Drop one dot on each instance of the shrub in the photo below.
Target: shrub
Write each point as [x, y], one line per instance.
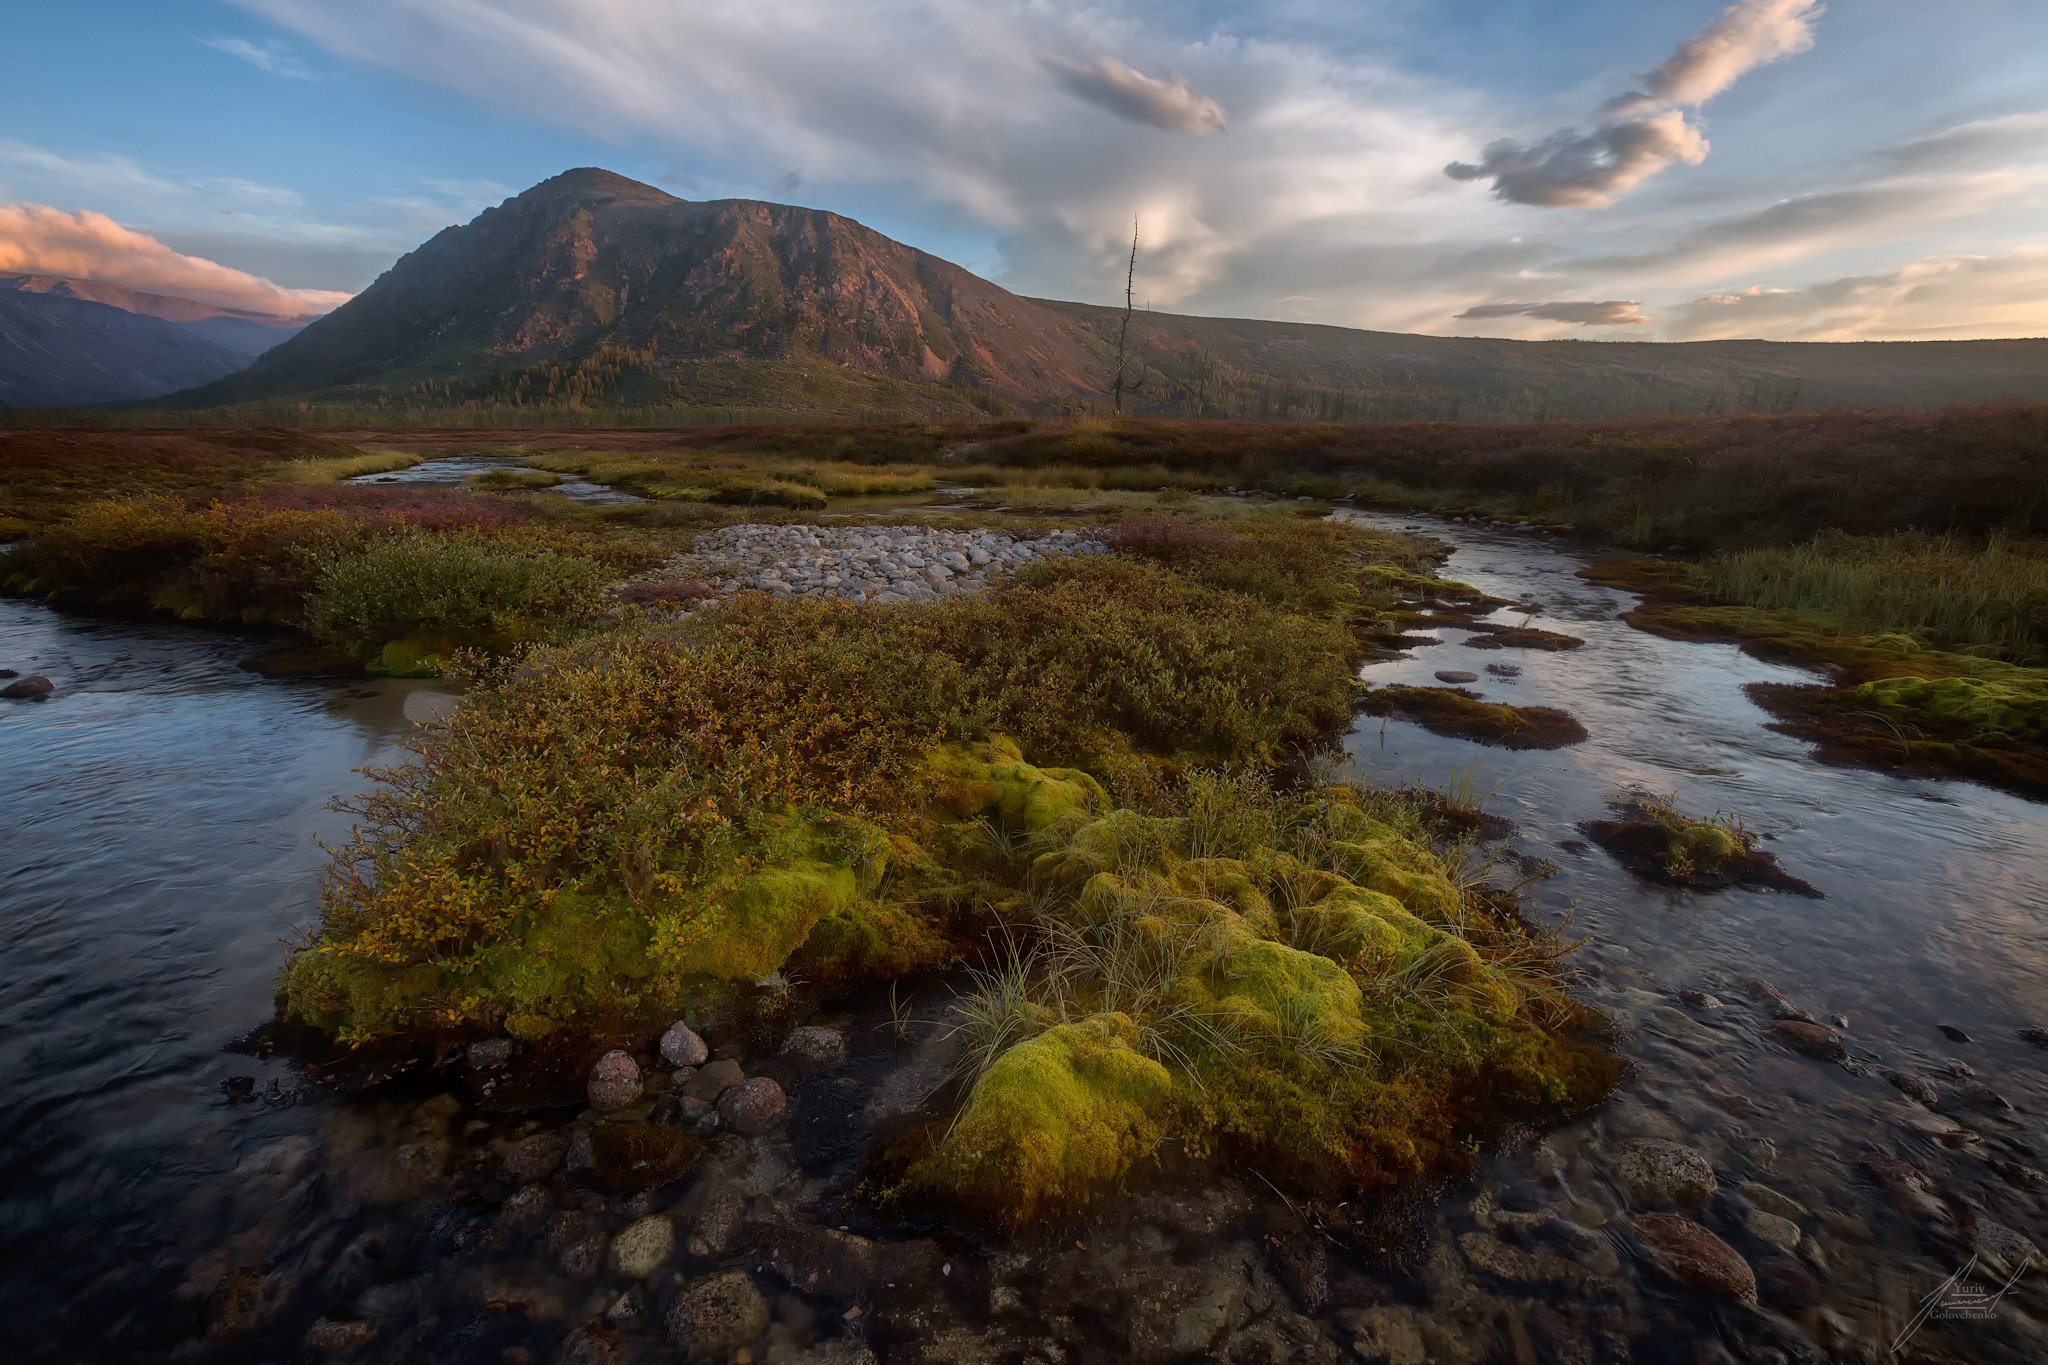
[448, 590]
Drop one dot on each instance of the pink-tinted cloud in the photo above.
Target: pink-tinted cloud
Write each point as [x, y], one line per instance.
[1578, 312]
[37, 238]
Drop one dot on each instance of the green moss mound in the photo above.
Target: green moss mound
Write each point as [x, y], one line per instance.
[2012, 709]
[1461, 714]
[1658, 842]
[1346, 1035]
[1057, 1120]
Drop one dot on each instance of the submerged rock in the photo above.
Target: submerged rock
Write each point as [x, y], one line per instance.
[1666, 1171]
[31, 688]
[681, 1046]
[753, 1106]
[614, 1081]
[489, 1054]
[814, 1046]
[717, 1315]
[533, 1158]
[628, 1158]
[644, 1247]
[1812, 1040]
[712, 1080]
[1954, 1034]
[1687, 1254]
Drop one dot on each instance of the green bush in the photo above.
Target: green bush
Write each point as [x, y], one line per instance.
[446, 591]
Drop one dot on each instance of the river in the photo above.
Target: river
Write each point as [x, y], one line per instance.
[159, 854]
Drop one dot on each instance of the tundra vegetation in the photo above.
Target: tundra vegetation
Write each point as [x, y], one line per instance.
[1093, 785]
[1654, 839]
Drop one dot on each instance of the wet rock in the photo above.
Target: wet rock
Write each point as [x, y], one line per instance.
[1301, 1262]
[628, 1158]
[2014, 1173]
[239, 1089]
[583, 1258]
[567, 1228]
[1687, 1254]
[1811, 1040]
[533, 1158]
[1786, 1287]
[1386, 1336]
[1455, 675]
[1771, 1201]
[31, 688]
[712, 1080]
[692, 1115]
[629, 1306]
[1912, 1087]
[1908, 1190]
[1777, 1004]
[1773, 1230]
[2035, 1035]
[681, 1046]
[592, 1344]
[489, 1054]
[614, 1081]
[845, 1265]
[234, 1305]
[333, 1337]
[1954, 1034]
[1700, 1000]
[644, 1247]
[527, 1204]
[1492, 1256]
[1982, 1097]
[1839, 1022]
[717, 1223]
[812, 1046]
[753, 1106]
[2000, 1244]
[402, 1173]
[1958, 1070]
[717, 1315]
[1665, 1171]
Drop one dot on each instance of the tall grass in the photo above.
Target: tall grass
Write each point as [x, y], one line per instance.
[1980, 597]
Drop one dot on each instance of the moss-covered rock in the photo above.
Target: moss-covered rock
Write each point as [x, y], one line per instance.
[1055, 1123]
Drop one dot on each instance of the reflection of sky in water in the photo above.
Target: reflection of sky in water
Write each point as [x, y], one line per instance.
[158, 838]
[454, 470]
[1937, 908]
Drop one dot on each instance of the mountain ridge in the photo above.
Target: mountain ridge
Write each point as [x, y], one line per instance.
[591, 292]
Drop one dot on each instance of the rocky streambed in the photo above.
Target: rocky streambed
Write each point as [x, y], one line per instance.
[883, 564]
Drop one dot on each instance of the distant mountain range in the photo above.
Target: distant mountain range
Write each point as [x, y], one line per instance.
[68, 342]
[592, 297]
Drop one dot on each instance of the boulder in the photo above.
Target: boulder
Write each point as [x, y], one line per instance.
[614, 1081]
[1811, 1040]
[1690, 1256]
[28, 689]
[644, 1248]
[715, 1316]
[1665, 1171]
[753, 1106]
[681, 1046]
[813, 1046]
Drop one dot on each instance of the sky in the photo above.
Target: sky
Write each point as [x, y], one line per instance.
[1604, 169]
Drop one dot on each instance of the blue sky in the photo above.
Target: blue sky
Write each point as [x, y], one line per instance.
[1673, 169]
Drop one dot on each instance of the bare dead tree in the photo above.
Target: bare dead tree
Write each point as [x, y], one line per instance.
[1122, 380]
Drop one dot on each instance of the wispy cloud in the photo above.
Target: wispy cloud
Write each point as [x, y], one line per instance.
[43, 240]
[1128, 93]
[1580, 313]
[272, 57]
[1642, 132]
[1937, 297]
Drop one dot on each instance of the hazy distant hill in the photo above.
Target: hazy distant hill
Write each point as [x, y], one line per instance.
[67, 341]
[593, 294]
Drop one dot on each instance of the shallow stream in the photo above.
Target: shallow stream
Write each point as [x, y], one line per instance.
[157, 855]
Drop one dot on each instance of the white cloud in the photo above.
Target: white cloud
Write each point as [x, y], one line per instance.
[39, 239]
[1579, 313]
[271, 57]
[1108, 83]
[1645, 131]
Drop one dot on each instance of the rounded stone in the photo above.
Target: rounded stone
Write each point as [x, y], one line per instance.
[1769, 1228]
[644, 1247]
[489, 1054]
[1666, 1171]
[533, 1158]
[814, 1046]
[753, 1106]
[717, 1315]
[1687, 1254]
[681, 1046]
[28, 689]
[614, 1081]
[1455, 675]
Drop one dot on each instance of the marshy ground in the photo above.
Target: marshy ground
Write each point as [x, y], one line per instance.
[1098, 932]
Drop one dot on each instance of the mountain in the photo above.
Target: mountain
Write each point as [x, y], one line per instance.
[67, 342]
[594, 294]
